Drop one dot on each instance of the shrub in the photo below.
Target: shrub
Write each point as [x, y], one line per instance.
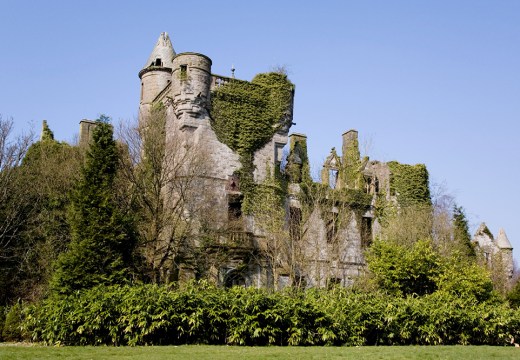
[12, 327]
[204, 314]
[2, 321]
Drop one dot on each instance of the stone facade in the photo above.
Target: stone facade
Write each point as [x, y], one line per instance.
[328, 242]
[495, 251]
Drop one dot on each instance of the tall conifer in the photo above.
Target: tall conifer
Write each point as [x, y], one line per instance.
[102, 240]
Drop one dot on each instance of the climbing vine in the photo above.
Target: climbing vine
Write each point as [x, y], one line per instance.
[409, 183]
[246, 115]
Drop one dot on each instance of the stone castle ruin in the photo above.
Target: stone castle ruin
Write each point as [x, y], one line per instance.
[270, 224]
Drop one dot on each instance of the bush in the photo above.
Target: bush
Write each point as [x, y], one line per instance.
[2, 321]
[514, 295]
[12, 327]
[203, 314]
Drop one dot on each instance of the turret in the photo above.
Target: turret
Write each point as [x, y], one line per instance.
[156, 74]
[506, 251]
[191, 79]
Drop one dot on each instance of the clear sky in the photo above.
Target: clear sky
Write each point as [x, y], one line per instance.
[433, 81]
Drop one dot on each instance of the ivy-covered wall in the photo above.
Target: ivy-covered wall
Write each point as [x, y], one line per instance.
[409, 183]
[246, 115]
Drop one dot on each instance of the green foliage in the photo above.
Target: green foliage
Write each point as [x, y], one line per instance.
[461, 230]
[12, 329]
[409, 183]
[246, 115]
[351, 171]
[102, 238]
[198, 313]
[402, 270]
[47, 134]
[514, 295]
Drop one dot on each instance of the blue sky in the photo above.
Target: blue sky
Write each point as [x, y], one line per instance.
[434, 82]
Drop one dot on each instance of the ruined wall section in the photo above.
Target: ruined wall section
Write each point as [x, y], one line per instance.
[337, 260]
[269, 157]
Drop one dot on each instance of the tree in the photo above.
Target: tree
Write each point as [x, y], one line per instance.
[102, 242]
[404, 270]
[51, 168]
[169, 192]
[15, 206]
[461, 231]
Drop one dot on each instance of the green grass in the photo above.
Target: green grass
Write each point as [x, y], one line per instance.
[14, 351]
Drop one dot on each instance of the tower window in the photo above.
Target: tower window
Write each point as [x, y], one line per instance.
[184, 72]
[158, 62]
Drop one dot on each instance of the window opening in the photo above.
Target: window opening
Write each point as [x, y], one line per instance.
[332, 282]
[184, 72]
[366, 232]
[333, 178]
[235, 213]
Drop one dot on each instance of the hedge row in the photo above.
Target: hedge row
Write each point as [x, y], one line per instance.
[148, 314]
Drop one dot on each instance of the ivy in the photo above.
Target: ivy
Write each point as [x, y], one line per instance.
[246, 115]
[409, 183]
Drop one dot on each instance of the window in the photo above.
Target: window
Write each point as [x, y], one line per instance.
[332, 282]
[235, 212]
[366, 232]
[184, 72]
[158, 62]
[333, 178]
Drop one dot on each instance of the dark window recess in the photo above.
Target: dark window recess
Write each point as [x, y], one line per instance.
[295, 218]
[234, 278]
[332, 226]
[233, 183]
[158, 62]
[235, 212]
[366, 231]
[184, 72]
[332, 282]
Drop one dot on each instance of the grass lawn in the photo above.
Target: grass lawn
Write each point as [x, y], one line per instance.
[17, 351]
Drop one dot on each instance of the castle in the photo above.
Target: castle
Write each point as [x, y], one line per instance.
[324, 228]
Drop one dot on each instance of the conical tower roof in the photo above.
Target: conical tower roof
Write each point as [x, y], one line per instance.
[484, 231]
[502, 240]
[162, 54]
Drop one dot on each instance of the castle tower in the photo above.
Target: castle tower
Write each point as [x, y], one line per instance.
[191, 80]
[156, 74]
[506, 251]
